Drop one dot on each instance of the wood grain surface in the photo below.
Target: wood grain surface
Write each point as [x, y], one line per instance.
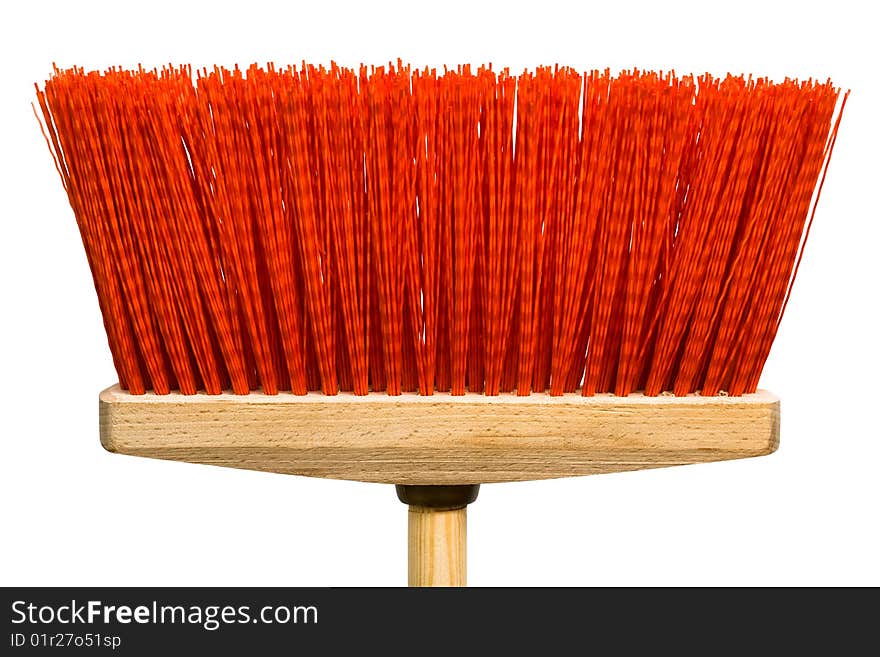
[437, 547]
[439, 439]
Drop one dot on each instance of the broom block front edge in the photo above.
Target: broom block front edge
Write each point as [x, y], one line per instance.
[439, 439]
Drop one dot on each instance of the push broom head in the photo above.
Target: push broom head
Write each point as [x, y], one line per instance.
[390, 229]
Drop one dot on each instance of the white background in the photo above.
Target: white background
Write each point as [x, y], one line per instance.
[75, 514]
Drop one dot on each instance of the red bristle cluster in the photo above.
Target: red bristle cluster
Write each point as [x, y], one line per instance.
[397, 230]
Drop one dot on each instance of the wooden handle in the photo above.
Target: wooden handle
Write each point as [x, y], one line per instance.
[437, 546]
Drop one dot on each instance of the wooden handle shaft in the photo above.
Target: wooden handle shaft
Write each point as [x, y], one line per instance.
[437, 546]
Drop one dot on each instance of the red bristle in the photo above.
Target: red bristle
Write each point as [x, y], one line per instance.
[229, 152]
[572, 235]
[344, 138]
[126, 357]
[201, 229]
[559, 101]
[613, 235]
[403, 131]
[305, 201]
[410, 375]
[717, 209]
[415, 305]
[443, 158]
[384, 160]
[396, 230]
[498, 245]
[376, 341]
[474, 378]
[424, 272]
[793, 233]
[661, 137]
[528, 226]
[577, 255]
[461, 98]
[93, 144]
[177, 205]
[281, 293]
[755, 239]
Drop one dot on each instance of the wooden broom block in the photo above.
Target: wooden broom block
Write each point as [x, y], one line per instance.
[439, 439]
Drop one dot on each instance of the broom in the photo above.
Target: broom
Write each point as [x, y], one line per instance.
[439, 280]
